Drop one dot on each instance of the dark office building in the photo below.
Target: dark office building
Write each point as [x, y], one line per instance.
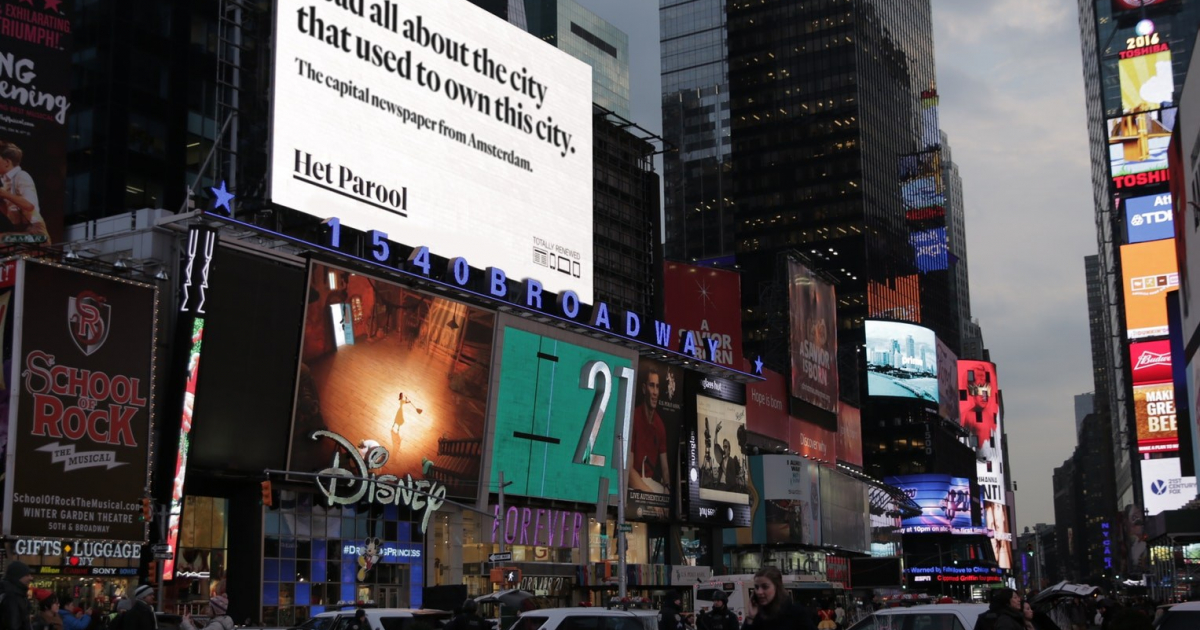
[1067, 521]
[1097, 488]
[1101, 369]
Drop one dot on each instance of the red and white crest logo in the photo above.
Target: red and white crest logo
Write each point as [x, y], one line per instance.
[88, 318]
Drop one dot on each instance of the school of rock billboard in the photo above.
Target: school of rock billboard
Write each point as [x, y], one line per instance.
[33, 119]
[654, 440]
[392, 383]
[705, 303]
[81, 417]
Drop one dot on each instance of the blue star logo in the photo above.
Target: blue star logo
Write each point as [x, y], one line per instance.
[758, 365]
[223, 198]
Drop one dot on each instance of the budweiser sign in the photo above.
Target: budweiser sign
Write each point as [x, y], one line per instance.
[1150, 362]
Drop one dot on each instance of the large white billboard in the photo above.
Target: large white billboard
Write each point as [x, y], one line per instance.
[437, 124]
[1164, 487]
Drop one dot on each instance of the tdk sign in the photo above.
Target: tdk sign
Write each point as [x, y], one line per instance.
[1149, 218]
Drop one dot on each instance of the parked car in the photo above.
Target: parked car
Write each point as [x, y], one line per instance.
[586, 618]
[923, 617]
[1185, 616]
[377, 618]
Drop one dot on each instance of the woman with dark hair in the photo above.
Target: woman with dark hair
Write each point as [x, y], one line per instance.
[47, 616]
[770, 606]
[1004, 612]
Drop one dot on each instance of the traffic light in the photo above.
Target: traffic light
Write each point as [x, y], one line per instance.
[147, 511]
[266, 493]
[1029, 550]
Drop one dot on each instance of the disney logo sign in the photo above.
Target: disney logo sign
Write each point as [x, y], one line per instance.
[419, 495]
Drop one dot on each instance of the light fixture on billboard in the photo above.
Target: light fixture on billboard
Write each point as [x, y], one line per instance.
[69, 254]
[122, 264]
[162, 274]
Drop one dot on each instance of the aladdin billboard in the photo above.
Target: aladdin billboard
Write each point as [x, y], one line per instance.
[81, 417]
[705, 303]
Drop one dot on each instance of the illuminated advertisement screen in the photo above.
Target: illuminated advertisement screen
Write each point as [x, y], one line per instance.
[979, 411]
[897, 298]
[1164, 487]
[399, 376]
[945, 502]
[1149, 218]
[930, 251]
[947, 367]
[1150, 362]
[181, 452]
[923, 192]
[790, 490]
[995, 519]
[1149, 270]
[436, 124]
[654, 440]
[813, 337]
[36, 105]
[556, 413]
[849, 436]
[1147, 81]
[901, 361]
[704, 302]
[718, 476]
[1137, 143]
[1154, 410]
[1129, 5]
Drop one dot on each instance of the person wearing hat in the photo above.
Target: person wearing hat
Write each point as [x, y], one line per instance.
[48, 617]
[219, 619]
[719, 617]
[670, 614]
[116, 619]
[360, 621]
[141, 616]
[14, 602]
[468, 619]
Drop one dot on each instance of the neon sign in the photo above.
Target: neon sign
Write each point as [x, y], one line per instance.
[181, 453]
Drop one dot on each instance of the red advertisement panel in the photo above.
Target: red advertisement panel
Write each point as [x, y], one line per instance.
[813, 441]
[849, 435]
[767, 406]
[1150, 362]
[707, 304]
[79, 438]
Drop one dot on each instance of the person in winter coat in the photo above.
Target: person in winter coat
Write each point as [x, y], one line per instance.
[670, 614]
[141, 616]
[719, 617]
[218, 613]
[14, 600]
[75, 618]
[48, 617]
[1004, 612]
[771, 608]
[469, 618]
[117, 620]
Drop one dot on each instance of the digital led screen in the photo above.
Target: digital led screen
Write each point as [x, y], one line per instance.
[947, 367]
[945, 502]
[790, 491]
[1155, 414]
[175, 509]
[979, 410]
[556, 414]
[1129, 5]
[844, 512]
[1147, 80]
[1137, 143]
[1148, 270]
[930, 250]
[901, 361]
[812, 303]
[1163, 487]
[436, 124]
[1149, 218]
[721, 426]
[654, 438]
[996, 521]
[896, 298]
[1150, 362]
[849, 435]
[399, 375]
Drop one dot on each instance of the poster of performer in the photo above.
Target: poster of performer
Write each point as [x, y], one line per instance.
[400, 375]
[36, 41]
[653, 452]
[721, 433]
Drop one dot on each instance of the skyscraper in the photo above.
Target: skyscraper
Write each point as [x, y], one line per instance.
[1113, 35]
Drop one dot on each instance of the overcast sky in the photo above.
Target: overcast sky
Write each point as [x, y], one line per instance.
[1010, 77]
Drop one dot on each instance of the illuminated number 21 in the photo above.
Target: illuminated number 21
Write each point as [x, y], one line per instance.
[587, 440]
